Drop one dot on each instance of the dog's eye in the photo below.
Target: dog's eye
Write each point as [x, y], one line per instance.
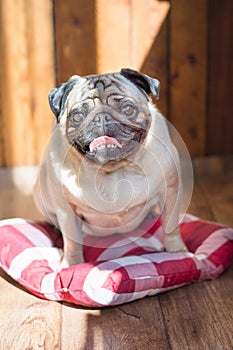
[77, 116]
[128, 109]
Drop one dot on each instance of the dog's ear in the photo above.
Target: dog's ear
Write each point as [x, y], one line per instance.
[57, 96]
[143, 81]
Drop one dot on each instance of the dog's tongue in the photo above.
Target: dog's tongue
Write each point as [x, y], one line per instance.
[103, 140]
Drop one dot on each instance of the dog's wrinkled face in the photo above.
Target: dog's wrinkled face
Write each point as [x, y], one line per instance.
[105, 117]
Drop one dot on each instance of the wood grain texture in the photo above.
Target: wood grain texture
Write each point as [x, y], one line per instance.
[16, 186]
[188, 71]
[40, 46]
[112, 35]
[196, 316]
[124, 38]
[156, 64]
[75, 26]
[123, 327]
[14, 82]
[27, 322]
[220, 81]
[26, 75]
[76, 318]
[105, 35]
[147, 18]
[2, 143]
[216, 191]
[47, 40]
[199, 316]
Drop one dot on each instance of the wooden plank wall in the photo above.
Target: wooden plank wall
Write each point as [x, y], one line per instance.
[189, 50]
[188, 71]
[219, 126]
[74, 24]
[26, 75]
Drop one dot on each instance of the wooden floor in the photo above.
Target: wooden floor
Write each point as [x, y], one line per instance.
[197, 316]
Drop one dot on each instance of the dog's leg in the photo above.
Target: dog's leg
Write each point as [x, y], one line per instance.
[70, 226]
[170, 218]
[73, 253]
[64, 219]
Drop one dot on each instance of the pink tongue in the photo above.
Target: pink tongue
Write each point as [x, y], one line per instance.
[103, 140]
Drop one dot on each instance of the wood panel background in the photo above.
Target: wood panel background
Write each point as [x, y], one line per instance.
[26, 75]
[187, 45]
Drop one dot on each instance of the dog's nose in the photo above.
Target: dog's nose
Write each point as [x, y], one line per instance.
[102, 118]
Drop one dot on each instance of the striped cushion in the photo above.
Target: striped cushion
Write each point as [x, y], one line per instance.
[117, 269]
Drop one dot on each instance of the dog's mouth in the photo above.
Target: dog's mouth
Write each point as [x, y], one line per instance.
[102, 143]
[105, 149]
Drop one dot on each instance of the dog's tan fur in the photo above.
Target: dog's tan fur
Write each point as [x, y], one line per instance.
[81, 196]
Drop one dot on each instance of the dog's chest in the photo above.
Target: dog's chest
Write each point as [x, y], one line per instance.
[117, 201]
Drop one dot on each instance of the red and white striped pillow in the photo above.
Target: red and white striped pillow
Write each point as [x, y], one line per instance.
[125, 270]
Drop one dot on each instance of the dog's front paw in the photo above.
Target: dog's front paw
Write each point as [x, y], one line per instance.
[174, 243]
[71, 260]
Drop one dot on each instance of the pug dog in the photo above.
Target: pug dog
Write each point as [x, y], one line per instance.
[110, 161]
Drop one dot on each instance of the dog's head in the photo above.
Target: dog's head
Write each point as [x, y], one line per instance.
[105, 117]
